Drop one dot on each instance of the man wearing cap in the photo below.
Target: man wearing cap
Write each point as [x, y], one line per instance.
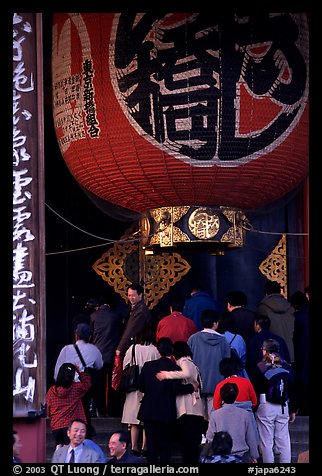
[84, 316]
[90, 353]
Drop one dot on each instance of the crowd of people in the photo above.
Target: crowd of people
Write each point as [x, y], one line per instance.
[207, 379]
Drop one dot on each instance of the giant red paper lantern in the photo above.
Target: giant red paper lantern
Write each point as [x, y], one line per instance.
[155, 110]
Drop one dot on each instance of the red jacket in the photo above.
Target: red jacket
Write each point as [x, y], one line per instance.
[176, 326]
[64, 404]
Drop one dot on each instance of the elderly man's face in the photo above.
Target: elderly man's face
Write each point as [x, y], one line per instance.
[116, 447]
[77, 433]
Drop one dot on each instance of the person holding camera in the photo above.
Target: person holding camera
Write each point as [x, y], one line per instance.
[64, 400]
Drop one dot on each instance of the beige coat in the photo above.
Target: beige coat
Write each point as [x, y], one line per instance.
[191, 403]
[143, 353]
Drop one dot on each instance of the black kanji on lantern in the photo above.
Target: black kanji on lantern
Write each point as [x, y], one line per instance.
[184, 81]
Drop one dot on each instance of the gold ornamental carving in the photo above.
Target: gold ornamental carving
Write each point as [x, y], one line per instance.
[164, 214]
[124, 264]
[162, 272]
[167, 233]
[235, 235]
[274, 267]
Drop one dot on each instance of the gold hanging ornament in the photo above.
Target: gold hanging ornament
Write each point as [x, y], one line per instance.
[274, 267]
[126, 263]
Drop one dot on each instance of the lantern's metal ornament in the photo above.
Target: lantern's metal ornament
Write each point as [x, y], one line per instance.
[126, 263]
[196, 228]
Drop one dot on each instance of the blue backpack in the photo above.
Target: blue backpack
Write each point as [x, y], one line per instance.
[278, 387]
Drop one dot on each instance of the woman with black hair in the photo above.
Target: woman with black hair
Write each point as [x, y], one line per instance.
[219, 450]
[246, 397]
[190, 421]
[64, 400]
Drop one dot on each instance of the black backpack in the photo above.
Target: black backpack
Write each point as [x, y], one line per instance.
[278, 386]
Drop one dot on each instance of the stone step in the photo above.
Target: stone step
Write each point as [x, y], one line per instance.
[299, 432]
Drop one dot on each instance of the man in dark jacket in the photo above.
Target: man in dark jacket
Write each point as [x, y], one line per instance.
[139, 317]
[105, 327]
[240, 320]
[158, 409]
[118, 447]
[255, 353]
[84, 317]
[279, 310]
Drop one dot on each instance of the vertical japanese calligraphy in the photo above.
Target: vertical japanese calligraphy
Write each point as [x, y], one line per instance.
[25, 216]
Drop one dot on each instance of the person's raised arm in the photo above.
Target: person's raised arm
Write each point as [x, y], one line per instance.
[175, 374]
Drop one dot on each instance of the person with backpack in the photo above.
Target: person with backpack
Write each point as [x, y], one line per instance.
[274, 385]
[237, 344]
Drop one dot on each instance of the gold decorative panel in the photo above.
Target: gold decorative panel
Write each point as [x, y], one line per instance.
[214, 229]
[235, 235]
[274, 267]
[124, 264]
[166, 233]
[165, 214]
[161, 272]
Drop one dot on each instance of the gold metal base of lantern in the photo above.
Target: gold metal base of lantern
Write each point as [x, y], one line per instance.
[212, 229]
[149, 252]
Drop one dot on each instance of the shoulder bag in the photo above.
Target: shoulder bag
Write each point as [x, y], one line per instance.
[92, 371]
[130, 375]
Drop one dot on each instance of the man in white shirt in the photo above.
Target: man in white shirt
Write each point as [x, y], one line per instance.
[91, 355]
